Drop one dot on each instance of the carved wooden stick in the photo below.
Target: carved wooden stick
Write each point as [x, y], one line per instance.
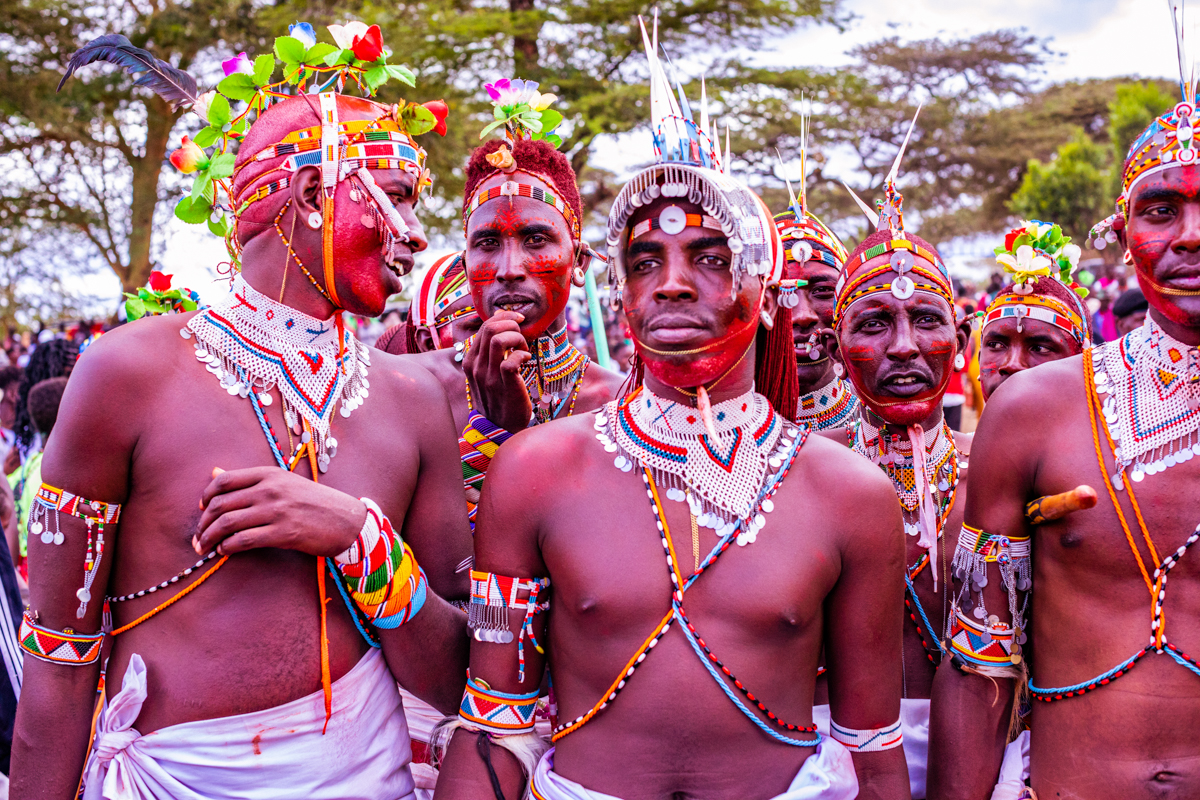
[1057, 506]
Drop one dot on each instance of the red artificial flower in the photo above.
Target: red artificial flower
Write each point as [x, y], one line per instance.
[1011, 239]
[160, 282]
[440, 111]
[369, 46]
[189, 157]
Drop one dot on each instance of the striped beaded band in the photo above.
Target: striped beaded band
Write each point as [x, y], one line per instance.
[381, 573]
[812, 231]
[93, 512]
[871, 740]
[515, 189]
[902, 262]
[690, 221]
[989, 546]
[59, 647]
[1169, 141]
[849, 300]
[1039, 307]
[498, 713]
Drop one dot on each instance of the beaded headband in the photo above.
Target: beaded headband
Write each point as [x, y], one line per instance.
[525, 115]
[889, 216]
[438, 292]
[1041, 307]
[689, 166]
[673, 220]
[1041, 251]
[512, 189]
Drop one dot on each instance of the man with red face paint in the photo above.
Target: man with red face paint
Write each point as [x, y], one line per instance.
[898, 339]
[441, 315]
[815, 257]
[521, 217]
[1041, 317]
[595, 567]
[212, 434]
[1113, 717]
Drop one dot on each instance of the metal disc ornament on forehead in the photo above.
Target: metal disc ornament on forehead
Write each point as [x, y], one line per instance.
[801, 252]
[672, 220]
[903, 287]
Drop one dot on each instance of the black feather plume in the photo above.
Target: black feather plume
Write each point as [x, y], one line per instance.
[171, 84]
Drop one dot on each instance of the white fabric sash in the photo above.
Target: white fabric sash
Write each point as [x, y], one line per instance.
[828, 774]
[914, 724]
[1014, 771]
[276, 753]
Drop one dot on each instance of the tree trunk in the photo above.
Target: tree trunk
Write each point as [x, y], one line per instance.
[525, 42]
[146, 171]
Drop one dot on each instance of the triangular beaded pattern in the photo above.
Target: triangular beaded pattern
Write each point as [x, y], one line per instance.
[831, 406]
[722, 478]
[1152, 403]
[253, 343]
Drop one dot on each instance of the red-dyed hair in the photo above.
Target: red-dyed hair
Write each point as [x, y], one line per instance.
[537, 157]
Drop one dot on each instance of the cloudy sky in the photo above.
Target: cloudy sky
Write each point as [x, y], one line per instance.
[1096, 39]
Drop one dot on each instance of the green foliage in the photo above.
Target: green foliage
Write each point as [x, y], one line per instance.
[1135, 107]
[1072, 190]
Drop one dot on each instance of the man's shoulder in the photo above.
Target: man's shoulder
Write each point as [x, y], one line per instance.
[550, 448]
[134, 350]
[1045, 389]
[828, 469]
[413, 376]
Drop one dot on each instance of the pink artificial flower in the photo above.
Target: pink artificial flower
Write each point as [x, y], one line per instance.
[189, 157]
[239, 63]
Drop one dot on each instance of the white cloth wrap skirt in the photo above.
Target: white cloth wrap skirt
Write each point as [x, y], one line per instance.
[1014, 770]
[275, 753]
[914, 724]
[828, 774]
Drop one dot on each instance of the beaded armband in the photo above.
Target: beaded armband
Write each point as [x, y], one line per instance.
[976, 638]
[381, 573]
[44, 522]
[59, 647]
[477, 446]
[498, 713]
[491, 598]
[871, 740]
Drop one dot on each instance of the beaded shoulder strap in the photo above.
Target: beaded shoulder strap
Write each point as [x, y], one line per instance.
[679, 587]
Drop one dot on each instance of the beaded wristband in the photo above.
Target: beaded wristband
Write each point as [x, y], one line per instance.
[871, 740]
[59, 647]
[986, 647]
[498, 713]
[381, 573]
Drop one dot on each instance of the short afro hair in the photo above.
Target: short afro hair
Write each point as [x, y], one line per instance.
[537, 157]
[44, 400]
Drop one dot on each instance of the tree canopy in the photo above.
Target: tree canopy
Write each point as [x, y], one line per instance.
[85, 189]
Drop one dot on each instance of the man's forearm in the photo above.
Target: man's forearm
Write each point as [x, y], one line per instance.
[968, 729]
[464, 775]
[882, 775]
[52, 731]
[428, 655]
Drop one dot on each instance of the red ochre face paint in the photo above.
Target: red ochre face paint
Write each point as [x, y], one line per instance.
[688, 326]
[524, 252]
[1163, 236]
[899, 352]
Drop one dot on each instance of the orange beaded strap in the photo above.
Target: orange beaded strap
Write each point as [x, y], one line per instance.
[1094, 406]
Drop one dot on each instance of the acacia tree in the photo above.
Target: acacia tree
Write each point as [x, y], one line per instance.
[83, 167]
[86, 166]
